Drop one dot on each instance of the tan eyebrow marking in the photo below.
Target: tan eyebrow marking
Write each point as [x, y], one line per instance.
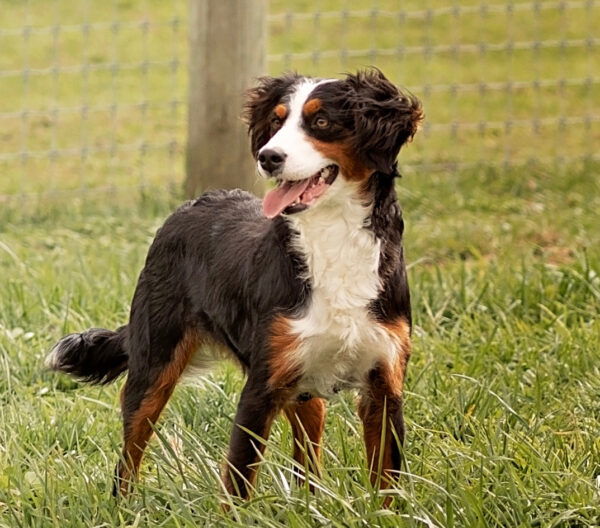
[312, 106]
[281, 111]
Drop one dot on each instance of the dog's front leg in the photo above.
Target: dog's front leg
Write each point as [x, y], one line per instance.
[380, 410]
[256, 410]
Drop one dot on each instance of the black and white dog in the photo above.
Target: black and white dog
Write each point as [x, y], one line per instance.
[307, 289]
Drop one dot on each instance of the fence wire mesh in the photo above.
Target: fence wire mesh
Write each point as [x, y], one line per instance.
[94, 93]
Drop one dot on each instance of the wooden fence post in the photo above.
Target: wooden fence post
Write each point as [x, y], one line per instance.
[227, 52]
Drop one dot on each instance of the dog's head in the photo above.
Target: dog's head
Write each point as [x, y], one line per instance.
[305, 132]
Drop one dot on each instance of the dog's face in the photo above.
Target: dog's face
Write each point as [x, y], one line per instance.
[306, 132]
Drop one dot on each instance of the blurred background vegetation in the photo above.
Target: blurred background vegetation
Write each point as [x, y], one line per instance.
[94, 93]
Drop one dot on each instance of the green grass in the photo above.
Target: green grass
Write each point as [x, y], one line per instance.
[502, 401]
[503, 389]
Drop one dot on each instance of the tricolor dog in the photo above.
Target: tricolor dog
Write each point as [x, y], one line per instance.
[306, 289]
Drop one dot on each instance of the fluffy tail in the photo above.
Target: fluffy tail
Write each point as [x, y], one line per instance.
[94, 356]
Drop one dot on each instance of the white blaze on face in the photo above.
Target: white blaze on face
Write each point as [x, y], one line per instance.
[302, 159]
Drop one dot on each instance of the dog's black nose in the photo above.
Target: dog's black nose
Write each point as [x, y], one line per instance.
[272, 160]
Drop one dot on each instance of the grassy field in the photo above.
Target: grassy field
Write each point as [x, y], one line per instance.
[503, 394]
[502, 403]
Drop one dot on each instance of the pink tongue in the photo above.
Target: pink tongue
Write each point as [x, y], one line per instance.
[283, 195]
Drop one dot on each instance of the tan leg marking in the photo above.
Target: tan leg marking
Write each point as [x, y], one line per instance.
[139, 428]
[308, 421]
[380, 409]
[284, 369]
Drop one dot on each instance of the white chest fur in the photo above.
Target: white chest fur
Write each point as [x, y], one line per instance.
[340, 342]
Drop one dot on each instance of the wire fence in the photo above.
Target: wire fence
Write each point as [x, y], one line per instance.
[93, 94]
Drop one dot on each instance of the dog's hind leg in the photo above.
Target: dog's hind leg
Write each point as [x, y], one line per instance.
[146, 392]
[307, 420]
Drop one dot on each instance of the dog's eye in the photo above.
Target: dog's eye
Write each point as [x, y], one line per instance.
[321, 122]
[276, 123]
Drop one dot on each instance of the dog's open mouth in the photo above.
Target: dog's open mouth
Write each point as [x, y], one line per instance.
[291, 197]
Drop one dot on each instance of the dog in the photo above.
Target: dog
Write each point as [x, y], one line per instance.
[306, 290]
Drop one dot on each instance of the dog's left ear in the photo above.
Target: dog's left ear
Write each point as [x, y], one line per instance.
[259, 105]
[385, 119]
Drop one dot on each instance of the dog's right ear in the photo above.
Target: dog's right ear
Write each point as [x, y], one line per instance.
[260, 103]
[385, 118]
